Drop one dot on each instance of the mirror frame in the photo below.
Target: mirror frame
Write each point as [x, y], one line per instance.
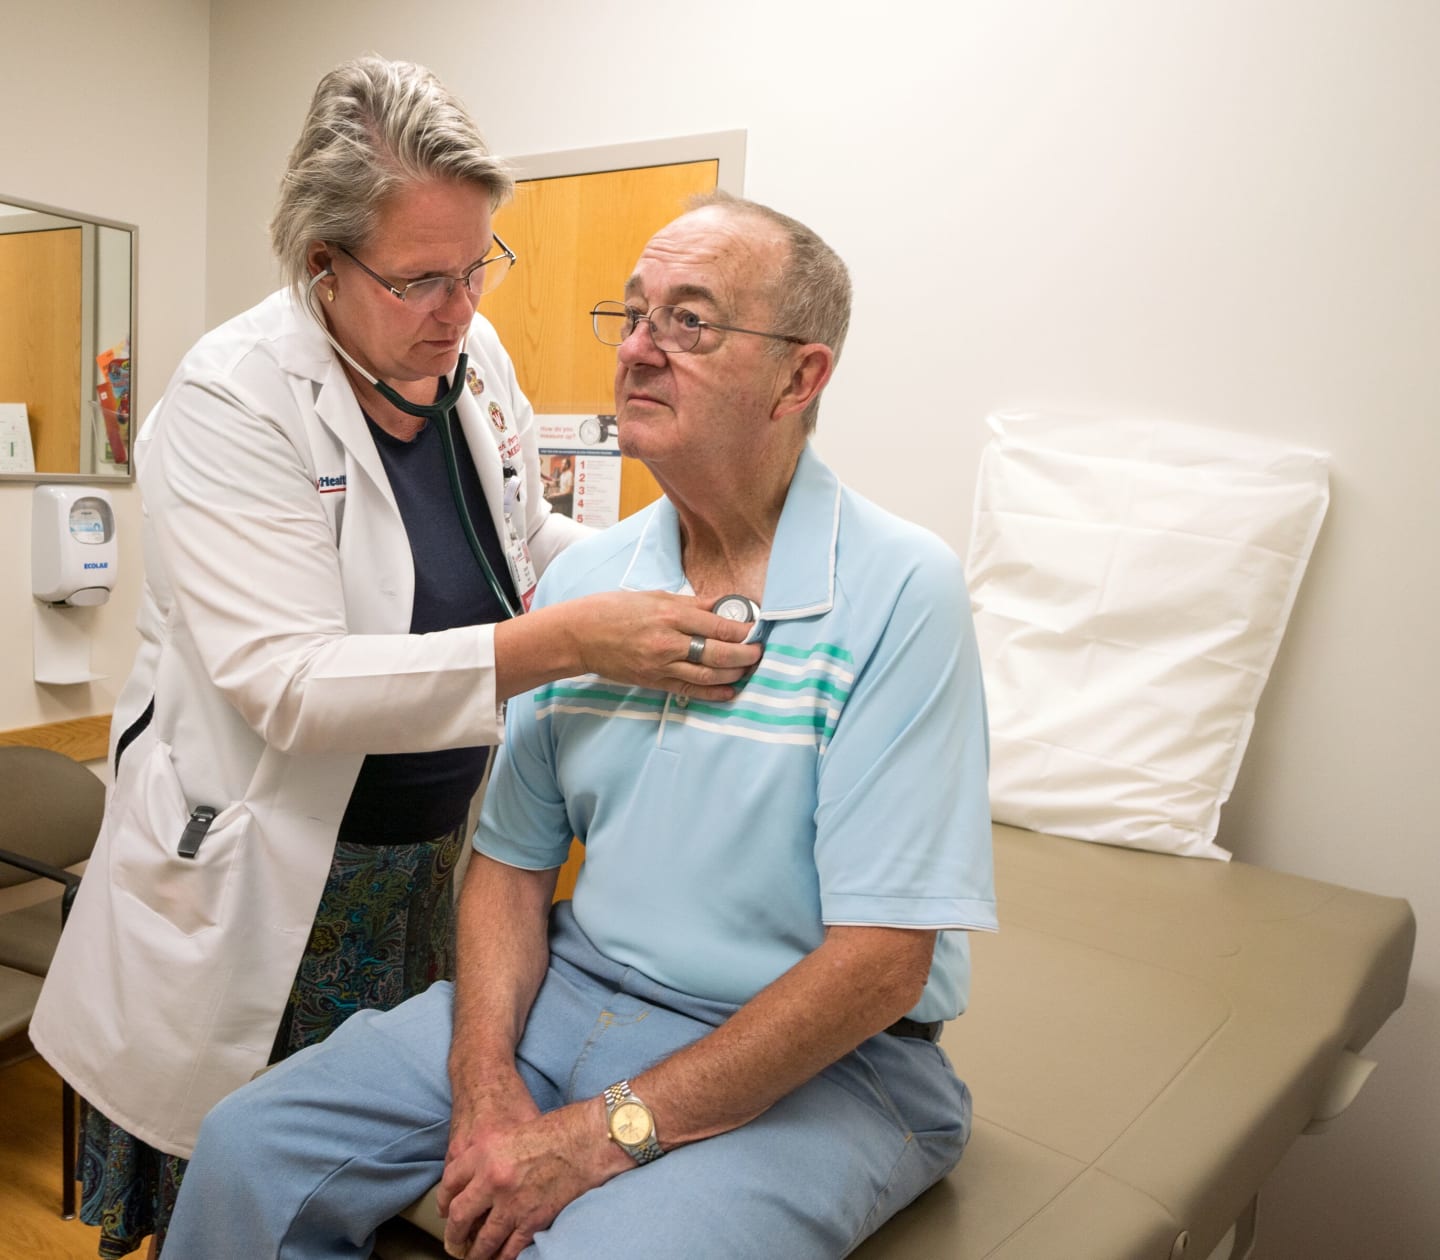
[106, 479]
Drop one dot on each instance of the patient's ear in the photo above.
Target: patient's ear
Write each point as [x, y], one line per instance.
[807, 370]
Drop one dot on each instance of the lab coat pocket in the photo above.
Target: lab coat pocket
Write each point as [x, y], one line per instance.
[188, 893]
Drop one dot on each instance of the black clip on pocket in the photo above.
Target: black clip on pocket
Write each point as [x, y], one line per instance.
[200, 819]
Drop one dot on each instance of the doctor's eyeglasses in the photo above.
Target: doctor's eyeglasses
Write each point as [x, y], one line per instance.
[433, 292]
[674, 329]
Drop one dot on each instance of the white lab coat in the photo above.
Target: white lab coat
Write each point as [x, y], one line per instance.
[275, 646]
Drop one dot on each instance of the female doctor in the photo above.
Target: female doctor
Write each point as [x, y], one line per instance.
[327, 644]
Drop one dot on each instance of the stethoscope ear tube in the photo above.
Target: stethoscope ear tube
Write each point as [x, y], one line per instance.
[442, 412]
[462, 509]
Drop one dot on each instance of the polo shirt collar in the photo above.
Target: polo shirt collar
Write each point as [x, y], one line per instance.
[800, 579]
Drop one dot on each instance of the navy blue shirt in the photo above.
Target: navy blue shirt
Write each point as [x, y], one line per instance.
[403, 798]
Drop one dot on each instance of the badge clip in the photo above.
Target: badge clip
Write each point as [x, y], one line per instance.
[200, 819]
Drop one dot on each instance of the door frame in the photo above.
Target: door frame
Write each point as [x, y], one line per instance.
[725, 147]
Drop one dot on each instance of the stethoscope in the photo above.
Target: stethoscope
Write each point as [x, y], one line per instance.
[744, 609]
[443, 413]
[736, 608]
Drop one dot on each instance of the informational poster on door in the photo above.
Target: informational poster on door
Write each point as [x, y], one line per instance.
[580, 467]
[16, 453]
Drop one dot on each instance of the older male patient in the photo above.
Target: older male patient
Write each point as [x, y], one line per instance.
[725, 1045]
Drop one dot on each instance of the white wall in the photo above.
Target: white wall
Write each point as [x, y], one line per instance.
[1221, 212]
[103, 112]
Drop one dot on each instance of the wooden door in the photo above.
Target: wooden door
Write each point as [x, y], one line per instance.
[577, 238]
[40, 319]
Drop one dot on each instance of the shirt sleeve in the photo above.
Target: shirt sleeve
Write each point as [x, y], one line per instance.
[903, 817]
[243, 544]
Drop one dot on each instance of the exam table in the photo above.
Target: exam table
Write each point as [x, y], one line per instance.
[1147, 1035]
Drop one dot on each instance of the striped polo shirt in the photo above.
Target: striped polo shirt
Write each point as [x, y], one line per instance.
[845, 784]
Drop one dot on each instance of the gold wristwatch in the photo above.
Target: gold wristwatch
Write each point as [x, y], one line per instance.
[632, 1127]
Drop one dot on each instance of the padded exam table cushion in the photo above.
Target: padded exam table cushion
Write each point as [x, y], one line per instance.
[1147, 1035]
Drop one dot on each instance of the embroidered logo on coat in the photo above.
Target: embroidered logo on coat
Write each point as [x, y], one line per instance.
[330, 485]
[497, 417]
[472, 379]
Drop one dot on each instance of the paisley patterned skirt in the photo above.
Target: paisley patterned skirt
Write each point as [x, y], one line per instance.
[385, 931]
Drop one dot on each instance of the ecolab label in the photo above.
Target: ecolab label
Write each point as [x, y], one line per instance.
[96, 564]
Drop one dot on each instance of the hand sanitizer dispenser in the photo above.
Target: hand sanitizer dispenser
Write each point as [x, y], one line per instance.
[73, 563]
[73, 554]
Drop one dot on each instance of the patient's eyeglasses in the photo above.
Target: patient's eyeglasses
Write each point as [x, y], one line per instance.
[674, 329]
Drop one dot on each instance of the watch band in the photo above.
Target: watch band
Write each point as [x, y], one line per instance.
[647, 1149]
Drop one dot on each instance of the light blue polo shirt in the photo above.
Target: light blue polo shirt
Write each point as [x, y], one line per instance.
[845, 784]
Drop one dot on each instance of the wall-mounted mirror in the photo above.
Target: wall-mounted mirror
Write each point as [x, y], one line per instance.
[67, 327]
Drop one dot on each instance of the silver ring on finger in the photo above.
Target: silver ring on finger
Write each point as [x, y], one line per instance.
[696, 650]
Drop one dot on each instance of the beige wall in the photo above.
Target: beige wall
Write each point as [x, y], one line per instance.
[103, 111]
[1222, 212]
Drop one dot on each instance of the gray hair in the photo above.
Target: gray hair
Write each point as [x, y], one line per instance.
[810, 297]
[374, 126]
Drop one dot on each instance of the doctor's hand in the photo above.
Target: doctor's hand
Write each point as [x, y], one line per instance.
[653, 639]
[639, 638]
[508, 1182]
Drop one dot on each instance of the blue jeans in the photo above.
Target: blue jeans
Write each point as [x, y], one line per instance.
[311, 1158]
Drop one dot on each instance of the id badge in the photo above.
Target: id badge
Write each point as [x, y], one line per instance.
[522, 572]
[517, 551]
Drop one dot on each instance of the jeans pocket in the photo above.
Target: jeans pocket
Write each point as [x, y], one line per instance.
[914, 1083]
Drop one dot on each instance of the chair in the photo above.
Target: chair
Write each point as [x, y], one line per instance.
[18, 993]
[49, 820]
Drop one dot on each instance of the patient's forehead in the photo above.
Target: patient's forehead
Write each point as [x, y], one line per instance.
[729, 258]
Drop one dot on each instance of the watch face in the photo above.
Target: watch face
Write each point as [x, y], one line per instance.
[630, 1124]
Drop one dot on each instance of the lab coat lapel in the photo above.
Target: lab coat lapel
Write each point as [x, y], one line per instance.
[301, 349]
[337, 409]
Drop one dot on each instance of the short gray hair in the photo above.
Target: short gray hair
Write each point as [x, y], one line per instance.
[810, 297]
[374, 126]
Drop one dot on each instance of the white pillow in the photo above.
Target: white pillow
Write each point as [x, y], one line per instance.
[1131, 581]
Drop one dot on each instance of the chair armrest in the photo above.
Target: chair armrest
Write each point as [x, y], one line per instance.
[43, 869]
[58, 874]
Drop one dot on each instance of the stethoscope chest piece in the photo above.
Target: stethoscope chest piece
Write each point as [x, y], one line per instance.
[740, 608]
[736, 608]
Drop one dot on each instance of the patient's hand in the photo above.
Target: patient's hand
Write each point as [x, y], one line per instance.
[504, 1182]
[501, 1103]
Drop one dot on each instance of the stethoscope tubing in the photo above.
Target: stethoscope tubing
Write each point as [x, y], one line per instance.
[443, 413]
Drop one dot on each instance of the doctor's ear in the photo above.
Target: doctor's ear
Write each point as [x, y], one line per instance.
[318, 261]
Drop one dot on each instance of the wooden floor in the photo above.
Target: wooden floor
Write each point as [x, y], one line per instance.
[30, 1224]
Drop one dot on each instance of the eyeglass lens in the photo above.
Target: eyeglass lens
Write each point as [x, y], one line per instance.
[427, 295]
[673, 327]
